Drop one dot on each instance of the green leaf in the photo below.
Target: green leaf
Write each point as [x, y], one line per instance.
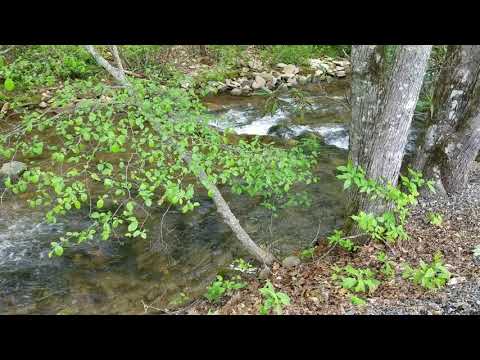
[133, 226]
[9, 85]
[348, 282]
[100, 203]
[58, 250]
[115, 148]
[357, 301]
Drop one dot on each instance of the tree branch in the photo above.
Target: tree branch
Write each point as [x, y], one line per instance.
[222, 206]
[118, 74]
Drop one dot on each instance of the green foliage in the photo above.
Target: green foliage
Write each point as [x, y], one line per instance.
[357, 300]
[387, 266]
[431, 276]
[308, 253]
[356, 280]
[388, 226]
[242, 266]
[273, 300]
[435, 219]
[221, 287]
[9, 84]
[299, 54]
[113, 158]
[43, 65]
[337, 239]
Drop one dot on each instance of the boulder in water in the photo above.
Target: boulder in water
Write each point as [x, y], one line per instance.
[281, 131]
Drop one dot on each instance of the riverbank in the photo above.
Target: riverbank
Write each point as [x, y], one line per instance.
[312, 291]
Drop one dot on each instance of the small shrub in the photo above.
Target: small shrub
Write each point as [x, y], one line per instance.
[389, 226]
[435, 219]
[337, 239]
[308, 253]
[388, 266]
[221, 287]
[431, 276]
[274, 300]
[357, 300]
[356, 280]
[242, 266]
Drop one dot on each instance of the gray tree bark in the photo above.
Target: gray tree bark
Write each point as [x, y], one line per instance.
[203, 50]
[448, 149]
[222, 206]
[382, 110]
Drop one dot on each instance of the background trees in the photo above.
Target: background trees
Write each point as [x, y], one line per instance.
[451, 142]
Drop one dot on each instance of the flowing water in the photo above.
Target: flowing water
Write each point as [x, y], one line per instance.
[184, 252]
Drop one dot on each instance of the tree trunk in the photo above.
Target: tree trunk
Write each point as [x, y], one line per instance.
[203, 50]
[222, 207]
[451, 142]
[382, 110]
[116, 72]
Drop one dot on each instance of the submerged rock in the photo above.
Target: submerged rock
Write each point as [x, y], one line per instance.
[291, 261]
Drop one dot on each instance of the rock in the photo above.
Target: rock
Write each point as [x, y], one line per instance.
[12, 168]
[456, 280]
[281, 131]
[264, 273]
[291, 261]
[343, 63]
[43, 104]
[281, 65]
[291, 69]
[236, 91]
[246, 83]
[222, 87]
[231, 83]
[266, 76]
[259, 82]
[271, 84]
[246, 89]
[340, 74]
[292, 81]
[255, 65]
[302, 80]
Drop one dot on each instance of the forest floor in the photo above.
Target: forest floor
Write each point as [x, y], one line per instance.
[312, 290]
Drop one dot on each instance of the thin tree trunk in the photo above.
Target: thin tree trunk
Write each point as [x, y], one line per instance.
[382, 111]
[117, 73]
[203, 50]
[116, 56]
[451, 142]
[222, 207]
